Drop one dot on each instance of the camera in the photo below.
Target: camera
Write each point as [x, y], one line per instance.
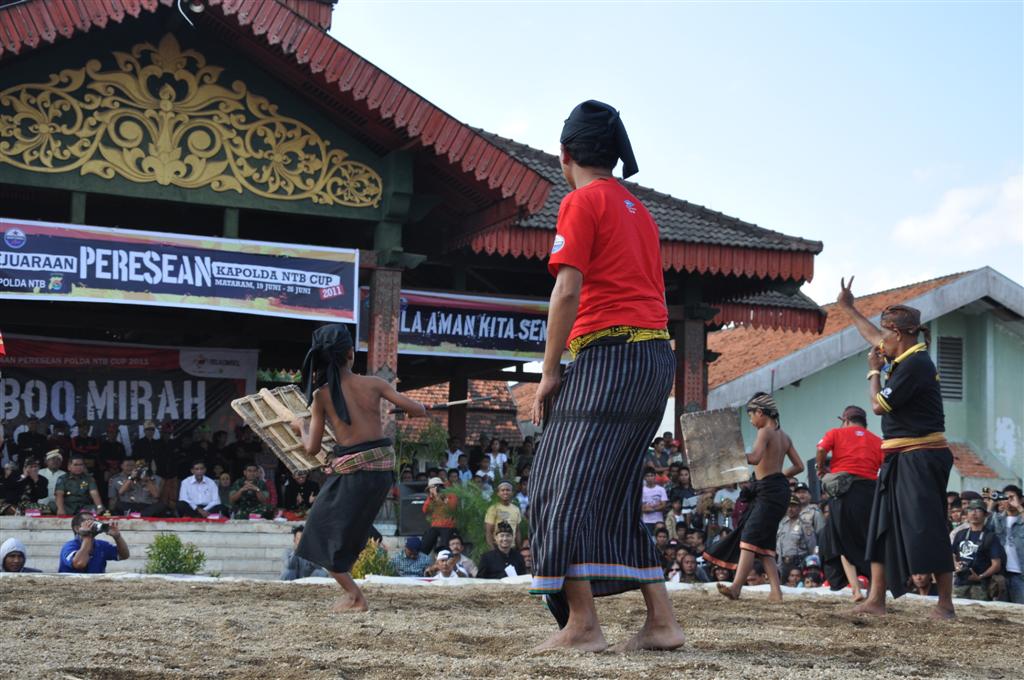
[100, 528]
[998, 496]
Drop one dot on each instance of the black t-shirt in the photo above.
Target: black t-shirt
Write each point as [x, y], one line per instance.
[911, 399]
[493, 563]
[976, 550]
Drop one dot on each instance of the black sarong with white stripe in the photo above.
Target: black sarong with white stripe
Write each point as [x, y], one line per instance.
[846, 533]
[908, 530]
[585, 489]
[757, 528]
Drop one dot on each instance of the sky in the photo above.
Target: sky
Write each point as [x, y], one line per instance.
[892, 132]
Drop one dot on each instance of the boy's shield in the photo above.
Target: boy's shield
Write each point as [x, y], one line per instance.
[714, 448]
[270, 412]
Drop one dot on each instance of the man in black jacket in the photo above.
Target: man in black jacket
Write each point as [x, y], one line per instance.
[497, 563]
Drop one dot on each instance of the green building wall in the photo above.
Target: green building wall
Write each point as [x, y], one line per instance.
[989, 418]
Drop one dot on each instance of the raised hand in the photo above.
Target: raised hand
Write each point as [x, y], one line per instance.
[845, 298]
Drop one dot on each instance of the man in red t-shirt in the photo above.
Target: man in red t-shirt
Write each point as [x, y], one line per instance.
[608, 307]
[850, 479]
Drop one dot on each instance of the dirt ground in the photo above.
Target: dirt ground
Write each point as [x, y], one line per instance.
[145, 629]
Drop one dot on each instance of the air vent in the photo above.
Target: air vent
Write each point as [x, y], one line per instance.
[951, 368]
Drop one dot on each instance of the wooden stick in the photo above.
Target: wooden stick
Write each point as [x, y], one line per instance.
[449, 404]
[276, 406]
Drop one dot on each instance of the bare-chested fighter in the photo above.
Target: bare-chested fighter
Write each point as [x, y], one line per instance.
[755, 533]
[362, 464]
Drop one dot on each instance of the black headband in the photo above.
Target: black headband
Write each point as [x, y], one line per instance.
[600, 124]
[329, 350]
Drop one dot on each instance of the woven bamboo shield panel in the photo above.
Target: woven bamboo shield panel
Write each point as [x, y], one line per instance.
[714, 447]
[270, 413]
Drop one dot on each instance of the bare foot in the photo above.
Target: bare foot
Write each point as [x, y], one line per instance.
[660, 638]
[775, 598]
[868, 607]
[349, 603]
[728, 591]
[570, 637]
[858, 596]
[942, 614]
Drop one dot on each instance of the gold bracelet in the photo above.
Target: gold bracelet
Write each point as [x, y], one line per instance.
[873, 372]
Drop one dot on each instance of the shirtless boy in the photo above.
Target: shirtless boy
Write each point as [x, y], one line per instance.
[754, 536]
[362, 464]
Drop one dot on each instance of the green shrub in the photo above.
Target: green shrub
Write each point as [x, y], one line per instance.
[168, 555]
[373, 560]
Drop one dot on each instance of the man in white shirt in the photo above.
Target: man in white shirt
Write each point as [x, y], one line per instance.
[453, 454]
[52, 473]
[198, 495]
[730, 492]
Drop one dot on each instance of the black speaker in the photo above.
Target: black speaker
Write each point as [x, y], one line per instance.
[411, 520]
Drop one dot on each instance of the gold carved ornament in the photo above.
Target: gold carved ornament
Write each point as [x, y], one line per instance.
[163, 117]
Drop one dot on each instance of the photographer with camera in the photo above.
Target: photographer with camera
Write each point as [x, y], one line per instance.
[977, 555]
[84, 554]
[136, 489]
[1008, 526]
[440, 510]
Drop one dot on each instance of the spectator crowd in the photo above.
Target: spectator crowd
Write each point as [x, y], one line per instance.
[50, 471]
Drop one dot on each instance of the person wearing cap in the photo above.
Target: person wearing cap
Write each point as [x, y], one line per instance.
[978, 555]
[52, 473]
[411, 562]
[795, 538]
[503, 510]
[809, 512]
[445, 566]
[149, 448]
[439, 508]
[608, 308]
[13, 557]
[755, 534]
[907, 532]
[849, 476]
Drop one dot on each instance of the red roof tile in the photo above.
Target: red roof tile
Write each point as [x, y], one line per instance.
[968, 463]
[745, 349]
[492, 415]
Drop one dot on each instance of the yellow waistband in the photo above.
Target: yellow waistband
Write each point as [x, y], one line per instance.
[631, 334]
[933, 440]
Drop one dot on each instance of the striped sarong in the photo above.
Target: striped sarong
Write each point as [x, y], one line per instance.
[585, 489]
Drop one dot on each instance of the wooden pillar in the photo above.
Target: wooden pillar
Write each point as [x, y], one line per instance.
[77, 207]
[458, 389]
[382, 354]
[230, 223]
[691, 369]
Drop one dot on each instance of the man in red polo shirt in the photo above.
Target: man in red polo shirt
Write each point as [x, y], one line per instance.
[850, 479]
[608, 307]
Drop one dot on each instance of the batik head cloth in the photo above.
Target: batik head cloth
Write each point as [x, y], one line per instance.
[765, 403]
